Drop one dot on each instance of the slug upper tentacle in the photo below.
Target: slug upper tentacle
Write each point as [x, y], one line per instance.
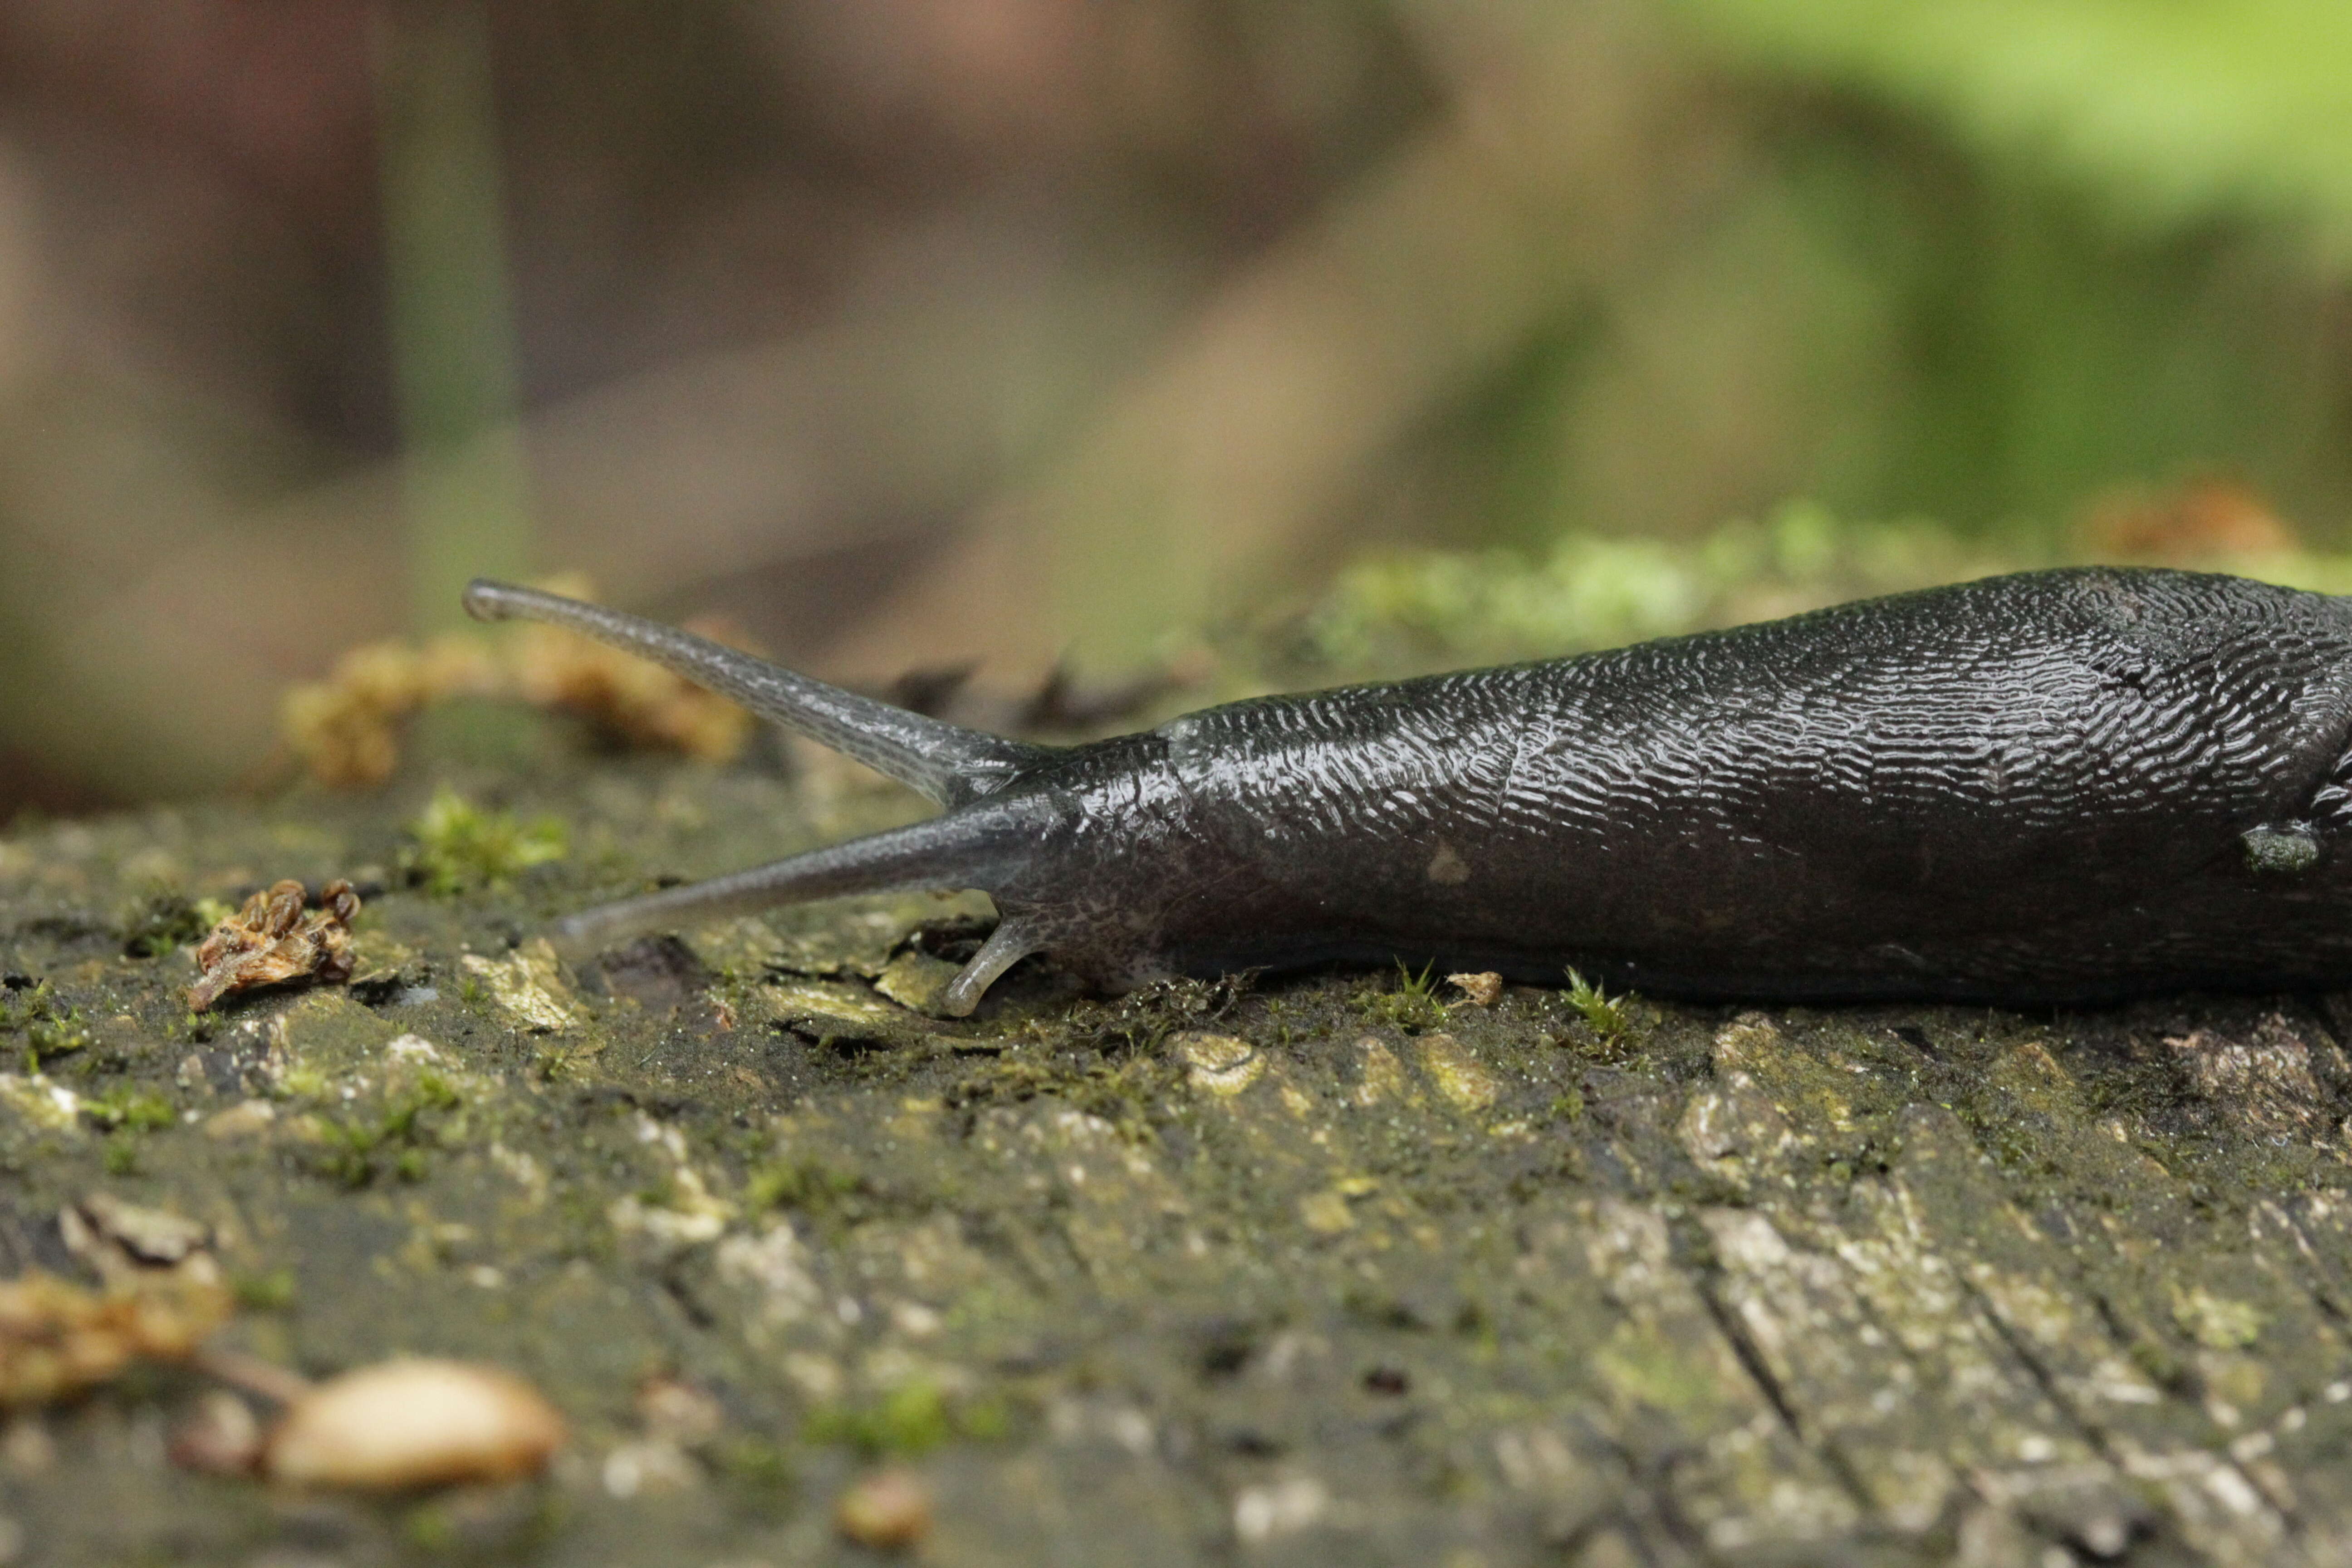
[948, 764]
[2056, 786]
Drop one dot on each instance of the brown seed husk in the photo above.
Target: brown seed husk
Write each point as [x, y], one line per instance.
[414, 1422]
[220, 1437]
[886, 1510]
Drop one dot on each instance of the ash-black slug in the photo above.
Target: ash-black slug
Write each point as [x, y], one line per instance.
[2054, 786]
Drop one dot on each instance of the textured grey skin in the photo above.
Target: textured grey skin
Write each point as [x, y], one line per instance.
[2059, 785]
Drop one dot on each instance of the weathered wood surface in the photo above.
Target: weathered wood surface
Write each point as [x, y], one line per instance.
[1296, 1273]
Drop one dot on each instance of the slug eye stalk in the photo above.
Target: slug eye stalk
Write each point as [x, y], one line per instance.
[945, 762]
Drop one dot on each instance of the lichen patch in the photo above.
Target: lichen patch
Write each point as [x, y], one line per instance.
[1220, 1064]
[529, 986]
[1461, 1078]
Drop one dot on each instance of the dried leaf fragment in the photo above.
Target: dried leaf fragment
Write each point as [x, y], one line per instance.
[58, 1339]
[121, 1240]
[1481, 990]
[272, 939]
[414, 1422]
[346, 728]
[2202, 520]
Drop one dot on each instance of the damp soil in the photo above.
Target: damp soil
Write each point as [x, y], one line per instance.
[1301, 1269]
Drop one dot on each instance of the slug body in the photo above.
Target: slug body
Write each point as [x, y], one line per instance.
[2058, 785]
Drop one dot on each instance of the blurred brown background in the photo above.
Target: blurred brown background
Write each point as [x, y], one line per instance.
[913, 330]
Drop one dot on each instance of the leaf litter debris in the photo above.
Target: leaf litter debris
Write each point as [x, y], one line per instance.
[272, 939]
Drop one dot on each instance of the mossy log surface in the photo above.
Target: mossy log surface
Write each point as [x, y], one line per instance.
[1308, 1271]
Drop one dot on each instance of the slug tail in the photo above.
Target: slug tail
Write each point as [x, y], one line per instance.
[949, 764]
[972, 848]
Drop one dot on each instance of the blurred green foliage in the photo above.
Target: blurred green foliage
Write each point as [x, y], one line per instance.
[453, 333]
[2176, 111]
[1983, 261]
[2019, 251]
[1061, 339]
[1882, 325]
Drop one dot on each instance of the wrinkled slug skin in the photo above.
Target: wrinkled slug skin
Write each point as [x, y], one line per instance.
[2054, 786]
[2030, 788]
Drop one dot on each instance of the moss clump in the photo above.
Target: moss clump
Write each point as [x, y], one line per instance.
[1607, 1016]
[357, 1150]
[1126, 1094]
[1410, 1005]
[759, 1467]
[459, 847]
[809, 1185]
[130, 1109]
[271, 1290]
[49, 1028]
[912, 1418]
[165, 921]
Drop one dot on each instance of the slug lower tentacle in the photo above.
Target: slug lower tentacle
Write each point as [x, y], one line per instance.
[2059, 785]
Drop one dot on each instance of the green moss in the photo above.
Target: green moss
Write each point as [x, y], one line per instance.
[49, 1029]
[165, 922]
[459, 847]
[1410, 1005]
[356, 1150]
[912, 1418]
[2217, 1322]
[1604, 1015]
[302, 1081]
[757, 1465]
[806, 1183]
[270, 1291]
[1126, 1094]
[129, 1109]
